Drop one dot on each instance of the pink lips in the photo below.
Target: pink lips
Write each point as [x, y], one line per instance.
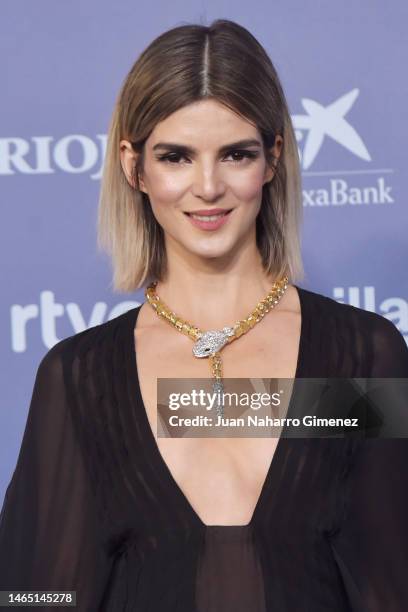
[209, 225]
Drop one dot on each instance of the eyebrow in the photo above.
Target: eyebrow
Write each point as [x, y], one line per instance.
[249, 142]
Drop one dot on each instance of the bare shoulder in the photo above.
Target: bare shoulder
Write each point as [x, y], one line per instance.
[290, 301]
[147, 320]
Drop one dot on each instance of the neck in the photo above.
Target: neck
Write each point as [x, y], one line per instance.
[213, 293]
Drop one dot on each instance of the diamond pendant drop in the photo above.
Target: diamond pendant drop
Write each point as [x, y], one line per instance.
[218, 388]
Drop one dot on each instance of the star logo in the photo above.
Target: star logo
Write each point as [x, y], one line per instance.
[321, 121]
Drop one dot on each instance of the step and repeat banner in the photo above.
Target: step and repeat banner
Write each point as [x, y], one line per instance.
[342, 66]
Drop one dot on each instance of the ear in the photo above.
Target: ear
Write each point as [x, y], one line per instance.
[128, 160]
[274, 153]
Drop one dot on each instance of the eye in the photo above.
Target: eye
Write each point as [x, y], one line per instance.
[239, 155]
[172, 158]
[243, 154]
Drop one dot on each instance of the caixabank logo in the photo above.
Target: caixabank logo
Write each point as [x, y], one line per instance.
[362, 184]
[357, 186]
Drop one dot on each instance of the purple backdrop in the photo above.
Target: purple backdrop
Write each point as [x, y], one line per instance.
[62, 66]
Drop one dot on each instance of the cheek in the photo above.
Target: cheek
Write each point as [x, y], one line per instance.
[247, 186]
[166, 187]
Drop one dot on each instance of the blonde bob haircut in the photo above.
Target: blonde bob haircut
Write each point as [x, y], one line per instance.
[225, 62]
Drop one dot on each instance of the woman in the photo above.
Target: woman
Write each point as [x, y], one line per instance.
[98, 503]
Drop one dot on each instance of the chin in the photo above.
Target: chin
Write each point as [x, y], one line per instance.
[211, 248]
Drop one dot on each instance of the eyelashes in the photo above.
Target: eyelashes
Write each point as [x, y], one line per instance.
[174, 157]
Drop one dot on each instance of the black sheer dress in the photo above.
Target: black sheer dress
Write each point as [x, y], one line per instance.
[92, 507]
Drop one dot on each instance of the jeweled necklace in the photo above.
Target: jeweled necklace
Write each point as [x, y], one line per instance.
[210, 343]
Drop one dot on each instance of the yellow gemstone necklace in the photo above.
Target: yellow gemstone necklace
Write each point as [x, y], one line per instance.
[209, 343]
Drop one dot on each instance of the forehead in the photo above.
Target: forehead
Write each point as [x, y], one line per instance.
[203, 122]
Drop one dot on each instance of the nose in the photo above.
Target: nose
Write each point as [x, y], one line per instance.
[207, 183]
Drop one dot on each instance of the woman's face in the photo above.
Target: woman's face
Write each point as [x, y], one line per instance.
[195, 160]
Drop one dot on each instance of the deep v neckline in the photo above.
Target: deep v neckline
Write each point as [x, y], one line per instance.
[148, 435]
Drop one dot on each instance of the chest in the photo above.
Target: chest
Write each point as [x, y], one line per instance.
[228, 471]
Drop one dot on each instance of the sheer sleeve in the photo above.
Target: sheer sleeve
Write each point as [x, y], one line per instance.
[389, 350]
[371, 545]
[49, 531]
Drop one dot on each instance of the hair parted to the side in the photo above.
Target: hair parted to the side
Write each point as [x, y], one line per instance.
[225, 62]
